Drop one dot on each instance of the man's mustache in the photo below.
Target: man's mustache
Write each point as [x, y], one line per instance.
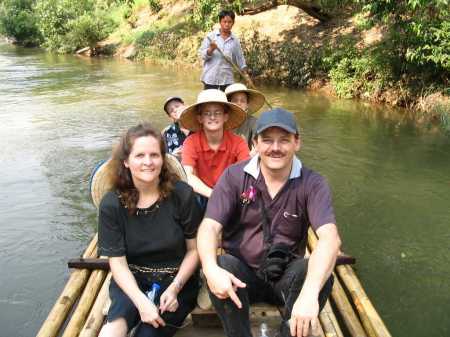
[275, 153]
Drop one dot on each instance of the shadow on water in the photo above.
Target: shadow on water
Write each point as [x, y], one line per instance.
[61, 114]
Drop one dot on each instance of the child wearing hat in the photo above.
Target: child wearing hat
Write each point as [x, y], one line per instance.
[250, 101]
[213, 147]
[174, 136]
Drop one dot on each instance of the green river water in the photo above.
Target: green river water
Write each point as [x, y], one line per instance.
[60, 114]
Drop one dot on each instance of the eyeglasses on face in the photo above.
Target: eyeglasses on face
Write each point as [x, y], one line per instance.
[212, 114]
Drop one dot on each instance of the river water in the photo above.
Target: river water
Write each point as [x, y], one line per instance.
[60, 114]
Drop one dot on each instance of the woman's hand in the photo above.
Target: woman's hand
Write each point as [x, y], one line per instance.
[168, 300]
[149, 313]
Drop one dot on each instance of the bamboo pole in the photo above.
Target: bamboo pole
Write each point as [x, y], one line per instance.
[245, 76]
[329, 322]
[327, 318]
[96, 317]
[84, 305]
[341, 300]
[370, 318]
[69, 295]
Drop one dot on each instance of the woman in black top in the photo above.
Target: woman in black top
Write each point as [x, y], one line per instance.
[147, 228]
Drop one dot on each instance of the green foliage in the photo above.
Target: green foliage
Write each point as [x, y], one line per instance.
[18, 21]
[68, 25]
[206, 12]
[54, 17]
[87, 30]
[419, 30]
[155, 5]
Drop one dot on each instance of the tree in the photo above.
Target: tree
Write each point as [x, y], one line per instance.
[311, 8]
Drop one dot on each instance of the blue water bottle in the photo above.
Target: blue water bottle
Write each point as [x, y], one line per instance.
[153, 292]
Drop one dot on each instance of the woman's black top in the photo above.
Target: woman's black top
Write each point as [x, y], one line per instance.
[155, 236]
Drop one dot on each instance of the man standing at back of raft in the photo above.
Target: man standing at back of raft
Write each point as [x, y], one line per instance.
[217, 72]
[213, 147]
[263, 207]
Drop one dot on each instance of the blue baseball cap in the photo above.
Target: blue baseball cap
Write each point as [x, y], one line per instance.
[170, 99]
[279, 118]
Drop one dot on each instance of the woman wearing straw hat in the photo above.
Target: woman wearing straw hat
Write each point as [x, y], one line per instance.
[250, 101]
[147, 228]
[208, 152]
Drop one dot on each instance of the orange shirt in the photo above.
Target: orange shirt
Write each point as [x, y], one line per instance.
[209, 164]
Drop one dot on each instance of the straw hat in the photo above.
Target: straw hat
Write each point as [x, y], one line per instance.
[256, 98]
[236, 116]
[101, 180]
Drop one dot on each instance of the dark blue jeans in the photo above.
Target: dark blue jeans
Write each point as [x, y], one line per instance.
[284, 292]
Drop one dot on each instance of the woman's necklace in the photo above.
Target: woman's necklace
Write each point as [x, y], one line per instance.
[148, 210]
[154, 206]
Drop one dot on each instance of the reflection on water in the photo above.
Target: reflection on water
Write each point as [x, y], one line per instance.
[60, 115]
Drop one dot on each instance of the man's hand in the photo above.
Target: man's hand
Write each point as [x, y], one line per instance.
[212, 47]
[304, 314]
[249, 81]
[224, 285]
[149, 313]
[168, 300]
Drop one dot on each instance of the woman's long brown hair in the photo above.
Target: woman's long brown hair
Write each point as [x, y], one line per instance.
[123, 181]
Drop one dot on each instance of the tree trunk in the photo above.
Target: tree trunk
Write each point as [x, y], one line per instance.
[309, 7]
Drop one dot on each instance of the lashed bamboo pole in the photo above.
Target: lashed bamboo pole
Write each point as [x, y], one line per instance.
[84, 305]
[329, 322]
[96, 317]
[327, 319]
[370, 318]
[69, 295]
[341, 300]
[321, 331]
[349, 316]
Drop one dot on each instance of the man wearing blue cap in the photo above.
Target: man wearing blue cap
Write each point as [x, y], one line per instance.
[263, 208]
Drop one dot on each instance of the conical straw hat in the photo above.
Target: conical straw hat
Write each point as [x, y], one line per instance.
[236, 116]
[102, 176]
[256, 98]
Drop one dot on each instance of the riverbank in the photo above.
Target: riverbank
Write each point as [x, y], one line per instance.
[396, 54]
[288, 47]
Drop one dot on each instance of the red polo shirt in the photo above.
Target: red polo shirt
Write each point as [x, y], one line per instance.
[209, 164]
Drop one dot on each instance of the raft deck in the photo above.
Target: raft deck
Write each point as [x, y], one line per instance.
[81, 308]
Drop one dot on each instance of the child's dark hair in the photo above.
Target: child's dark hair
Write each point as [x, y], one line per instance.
[225, 12]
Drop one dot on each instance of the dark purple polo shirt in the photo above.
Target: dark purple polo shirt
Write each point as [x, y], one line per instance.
[304, 199]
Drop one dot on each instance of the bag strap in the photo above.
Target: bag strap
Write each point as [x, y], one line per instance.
[265, 221]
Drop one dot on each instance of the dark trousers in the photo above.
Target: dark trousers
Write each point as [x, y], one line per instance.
[284, 292]
[215, 86]
[122, 306]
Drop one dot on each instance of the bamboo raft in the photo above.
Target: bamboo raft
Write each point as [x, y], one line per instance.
[81, 308]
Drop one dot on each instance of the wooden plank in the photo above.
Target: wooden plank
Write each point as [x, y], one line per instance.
[89, 263]
[258, 311]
